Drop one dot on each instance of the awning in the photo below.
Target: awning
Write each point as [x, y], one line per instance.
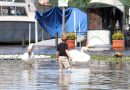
[106, 3]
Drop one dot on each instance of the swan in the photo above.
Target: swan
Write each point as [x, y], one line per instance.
[85, 49]
[28, 57]
[79, 56]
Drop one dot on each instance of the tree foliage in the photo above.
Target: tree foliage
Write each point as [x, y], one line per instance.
[73, 3]
[125, 2]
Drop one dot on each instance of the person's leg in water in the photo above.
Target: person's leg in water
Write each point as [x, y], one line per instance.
[66, 65]
[60, 66]
[69, 70]
[60, 70]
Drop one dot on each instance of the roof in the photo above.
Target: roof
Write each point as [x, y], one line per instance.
[106, 3]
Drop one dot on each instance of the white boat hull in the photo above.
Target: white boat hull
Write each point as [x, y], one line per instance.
[17, 32]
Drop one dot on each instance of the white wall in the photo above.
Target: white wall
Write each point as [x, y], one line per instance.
[99, 39]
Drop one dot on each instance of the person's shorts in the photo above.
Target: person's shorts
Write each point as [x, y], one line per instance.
[63, 62]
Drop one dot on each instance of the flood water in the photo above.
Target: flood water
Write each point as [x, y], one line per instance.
[16, 75]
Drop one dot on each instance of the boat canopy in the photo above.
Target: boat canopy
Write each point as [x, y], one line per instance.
[51, 20]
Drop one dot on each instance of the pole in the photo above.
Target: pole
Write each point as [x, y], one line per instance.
[29, 33]
[74, 21]
[79, 33]
[1, 11]
[63, 19]
[75, 27]
[124, 23]
[56, 39]
[23, 39]
[36, 32]
[42, 34]
[79, 27]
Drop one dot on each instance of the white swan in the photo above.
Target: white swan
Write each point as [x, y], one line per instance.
[28, 57]
[79, 56]
[85, 49]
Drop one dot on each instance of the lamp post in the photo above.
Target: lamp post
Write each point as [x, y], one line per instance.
[63, 4]
[63, 19]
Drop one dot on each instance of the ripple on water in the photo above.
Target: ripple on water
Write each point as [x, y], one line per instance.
[92, 75]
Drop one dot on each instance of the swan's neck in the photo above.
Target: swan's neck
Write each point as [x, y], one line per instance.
[82, 50]
[29, 53]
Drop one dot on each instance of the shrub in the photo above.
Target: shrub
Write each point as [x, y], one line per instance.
[71, 36]
[118, 35]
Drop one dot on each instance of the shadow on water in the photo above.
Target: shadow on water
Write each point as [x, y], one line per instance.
[15, 75]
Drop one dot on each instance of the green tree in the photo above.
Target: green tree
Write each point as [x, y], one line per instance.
[125, 2]
[73, 3]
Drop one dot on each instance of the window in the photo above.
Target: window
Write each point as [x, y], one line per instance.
[13, 0]
[12, 11]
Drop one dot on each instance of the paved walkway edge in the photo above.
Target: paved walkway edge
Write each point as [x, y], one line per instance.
[19, 56]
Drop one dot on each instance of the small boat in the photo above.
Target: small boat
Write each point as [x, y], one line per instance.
[17, 21]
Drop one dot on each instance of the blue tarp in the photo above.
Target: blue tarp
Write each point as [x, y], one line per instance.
[51, 21]
[80, 20]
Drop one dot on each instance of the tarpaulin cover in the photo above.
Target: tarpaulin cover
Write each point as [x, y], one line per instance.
[51, 20]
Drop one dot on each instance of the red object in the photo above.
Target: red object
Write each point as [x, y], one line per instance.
[71, 44]
[118, 44]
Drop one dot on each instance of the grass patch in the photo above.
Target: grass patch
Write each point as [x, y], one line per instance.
[109, 58]
[53, 56]
[105, 58]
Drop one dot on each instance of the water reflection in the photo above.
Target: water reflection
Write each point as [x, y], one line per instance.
[28, 76]
[63, 81]
[83, 76]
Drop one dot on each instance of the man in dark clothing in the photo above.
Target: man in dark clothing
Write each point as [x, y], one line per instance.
[62, 54]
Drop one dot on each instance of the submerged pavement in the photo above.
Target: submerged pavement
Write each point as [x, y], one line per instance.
[16, 75]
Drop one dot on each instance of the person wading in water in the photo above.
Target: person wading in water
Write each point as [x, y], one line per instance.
[62, 54]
